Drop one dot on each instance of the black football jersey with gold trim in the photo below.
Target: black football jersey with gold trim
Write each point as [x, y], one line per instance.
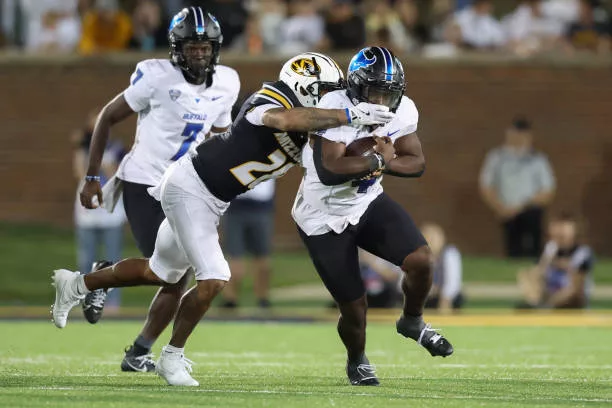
[233, 163]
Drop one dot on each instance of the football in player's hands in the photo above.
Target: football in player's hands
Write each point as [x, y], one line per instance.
[361, 147]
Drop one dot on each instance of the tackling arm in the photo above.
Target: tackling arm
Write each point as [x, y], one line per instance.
[304, 119]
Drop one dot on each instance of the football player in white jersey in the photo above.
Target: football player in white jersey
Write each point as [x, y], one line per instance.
[340, 206]
[179, 101]
[265, 141]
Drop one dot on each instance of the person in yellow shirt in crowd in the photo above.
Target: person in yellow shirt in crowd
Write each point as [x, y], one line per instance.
[105, 28]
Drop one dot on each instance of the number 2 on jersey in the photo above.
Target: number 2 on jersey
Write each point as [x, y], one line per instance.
[190, 132]
[276, 168]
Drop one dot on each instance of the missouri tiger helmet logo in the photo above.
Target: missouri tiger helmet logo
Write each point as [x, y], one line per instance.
[305, 67]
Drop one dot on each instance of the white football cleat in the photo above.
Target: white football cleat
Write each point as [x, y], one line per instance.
[175, 369]
[66, 296]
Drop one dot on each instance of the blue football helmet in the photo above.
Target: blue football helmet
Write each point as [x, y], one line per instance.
[375, 75]
[192, 25]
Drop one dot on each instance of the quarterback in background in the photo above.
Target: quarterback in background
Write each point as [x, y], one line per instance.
[178, 102]
[265, 142]
[341, 206]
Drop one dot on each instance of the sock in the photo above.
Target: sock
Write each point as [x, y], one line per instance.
[361, 360]
[142, 346]
[410, 326]
[173, 350]
[79, 286]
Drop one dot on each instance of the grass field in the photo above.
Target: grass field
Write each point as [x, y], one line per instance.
[302, 365]
[29, 253]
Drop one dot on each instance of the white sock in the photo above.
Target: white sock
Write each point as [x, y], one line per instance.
[173, 350]
[80, 287]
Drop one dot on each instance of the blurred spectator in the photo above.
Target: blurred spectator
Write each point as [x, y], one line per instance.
[591, 32]
[51, 25]
[445, 294]
[271, 14]
[248, 226]
[97, 228]
[150, 31]
[529, 30]
[517, 183]
[475, 27]
[563, 11]
[381, 280]
[385, 28]
[563, 276]
[231, 14]
[251, 40]
[105, 28]
[344, 28]
[303, 30]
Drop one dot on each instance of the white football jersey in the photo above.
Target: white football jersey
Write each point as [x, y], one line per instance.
[319, 208]
[173, 116]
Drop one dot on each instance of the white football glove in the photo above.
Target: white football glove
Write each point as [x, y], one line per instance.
[369, 114]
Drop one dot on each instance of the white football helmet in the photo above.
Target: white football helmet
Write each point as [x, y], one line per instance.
[310, 75]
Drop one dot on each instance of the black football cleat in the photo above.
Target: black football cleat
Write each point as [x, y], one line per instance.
[133, 362]
[429, 338]
[93, 304]
[361, 372]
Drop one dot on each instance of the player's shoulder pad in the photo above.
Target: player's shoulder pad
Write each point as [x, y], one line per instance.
[273, 92]
[335, 100]
[406, 117]
[228, 79]
[155, 67]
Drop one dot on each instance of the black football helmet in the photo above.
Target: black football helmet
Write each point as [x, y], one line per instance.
[375, 75]
[190, 26]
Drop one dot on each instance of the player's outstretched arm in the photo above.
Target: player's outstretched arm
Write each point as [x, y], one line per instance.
[115, 111]
[409, 160]
[334, 167]
[308, 119]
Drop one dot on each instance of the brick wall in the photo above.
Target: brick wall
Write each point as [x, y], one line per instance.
[464, 108]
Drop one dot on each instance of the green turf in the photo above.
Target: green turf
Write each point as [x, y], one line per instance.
[29, 253]
[302, 365]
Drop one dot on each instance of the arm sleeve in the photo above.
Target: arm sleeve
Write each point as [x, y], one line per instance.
[225, 118]
[330, 178]
[138, 95]
[255, 115]
[487, 173]
[452, 273]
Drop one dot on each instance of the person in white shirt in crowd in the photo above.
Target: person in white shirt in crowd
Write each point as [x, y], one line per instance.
[563, 277]
[98, 228]
[445, 294]
[51, 25]
[248, 227]
[517, 183]
[476, 27]
[530, 30]
[303, 30]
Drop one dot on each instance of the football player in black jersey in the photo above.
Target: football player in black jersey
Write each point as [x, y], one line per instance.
[265, 141]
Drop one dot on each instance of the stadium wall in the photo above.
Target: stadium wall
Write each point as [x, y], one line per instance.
[464, 107]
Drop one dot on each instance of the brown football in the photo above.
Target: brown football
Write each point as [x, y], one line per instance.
[361, 147]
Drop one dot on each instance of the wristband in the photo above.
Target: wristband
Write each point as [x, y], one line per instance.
[92, 178]
[377, 162]
[348, 115]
